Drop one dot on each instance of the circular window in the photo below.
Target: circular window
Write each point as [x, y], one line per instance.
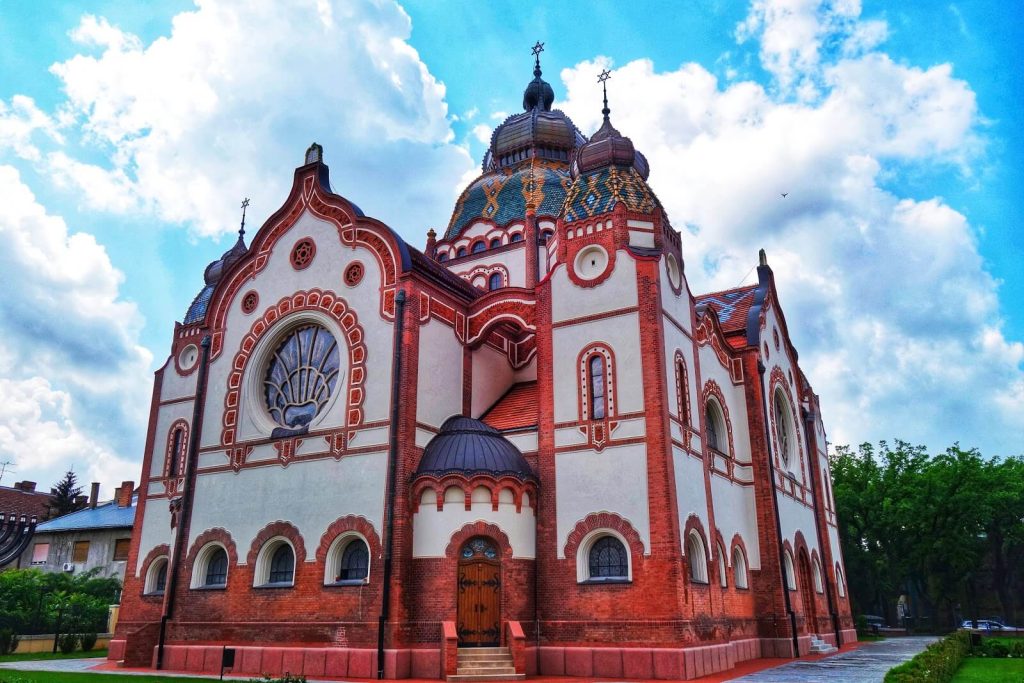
[303, 253]
[591, 262]
[672, 270]
[354, 274]
[188, 357]
[250, 301]
[301, 376]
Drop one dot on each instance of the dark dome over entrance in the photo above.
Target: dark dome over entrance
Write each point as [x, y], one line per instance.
[469, 446]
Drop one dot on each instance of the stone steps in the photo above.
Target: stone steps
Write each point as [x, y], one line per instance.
[485, 664]
[820, 647]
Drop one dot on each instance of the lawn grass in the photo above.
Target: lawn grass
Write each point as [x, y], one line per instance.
[33, 656]
[11, 676]
[989, 670]
[869, 638]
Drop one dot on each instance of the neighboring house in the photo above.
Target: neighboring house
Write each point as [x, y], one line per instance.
[98, 536]
[23, 499]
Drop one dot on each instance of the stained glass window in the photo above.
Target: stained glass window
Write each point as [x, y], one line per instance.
[282, 565]
[608, 559]
[355, 562]
[597, 387]
[301, 377]
[217, 568]
[479, 547]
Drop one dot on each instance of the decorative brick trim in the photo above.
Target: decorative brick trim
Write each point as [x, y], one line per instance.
[354, 273]
[218, 535]
[606, 241]
[495, 485]
[710, 389]
[174, 484]
[693, 523]
[360, 525]
[683, 409]
[311, 300]
[272, 530]
[303, 253]
[515, 307]
[162, 550]
[737, 542]
[598, 431]
[250, 301]
[603, 520]
[486, 271]
[478, 528]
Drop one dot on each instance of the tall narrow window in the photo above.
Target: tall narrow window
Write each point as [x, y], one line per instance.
[176, 452]
[782, 427]
[282, 565]
[217, 568]
[598, 399]
[711, 419]
[682, 392]
[494, 281]
[355, 562]
[161, 578]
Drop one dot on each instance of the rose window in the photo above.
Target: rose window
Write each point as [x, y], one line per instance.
[301, 378]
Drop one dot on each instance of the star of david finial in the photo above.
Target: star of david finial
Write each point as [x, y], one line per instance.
[241, 230]
[537, 49]
[603, 80]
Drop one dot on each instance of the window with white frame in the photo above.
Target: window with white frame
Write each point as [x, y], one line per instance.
[723, 575]
[818, 583]
[718, 439]
[603, 557]
[696, 557]
[739, 568]
[275, 565]
[840, 584]
[348, 561]
[787, 564]
[156, 577]
[211, 567]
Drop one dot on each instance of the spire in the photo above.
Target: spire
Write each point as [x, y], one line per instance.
[603, 80]
[538, 94]
[537, 49]
[241, 229]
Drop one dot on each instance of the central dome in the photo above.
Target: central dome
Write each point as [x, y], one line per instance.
[469, 446]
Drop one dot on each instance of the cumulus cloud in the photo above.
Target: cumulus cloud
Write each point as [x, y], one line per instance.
[225, 105]
[72, 374]
[891, 307]
[19, 122]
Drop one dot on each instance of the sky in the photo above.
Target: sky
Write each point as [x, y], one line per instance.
[131, 132]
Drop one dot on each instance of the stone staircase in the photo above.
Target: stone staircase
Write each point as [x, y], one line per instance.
[820, 647]
[485, 664]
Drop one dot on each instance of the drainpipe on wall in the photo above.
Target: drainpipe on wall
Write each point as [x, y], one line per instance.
[809, 417]
[778, 521]
[174, 560]
[396, 379]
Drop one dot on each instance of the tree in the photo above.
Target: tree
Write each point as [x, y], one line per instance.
[63, 499]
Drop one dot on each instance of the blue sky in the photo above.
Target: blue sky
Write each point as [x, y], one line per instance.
[130, 132]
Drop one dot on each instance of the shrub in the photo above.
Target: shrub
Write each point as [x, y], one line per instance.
[1017, 649]
[937, 664]
[995, 648]
[67, 642]
[862, 624]
[8, 641]
[88, 641]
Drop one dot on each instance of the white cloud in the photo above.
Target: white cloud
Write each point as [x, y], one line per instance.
[482, 133]
[226, 104]
[73, 376]
[19, 121]
[892, 310]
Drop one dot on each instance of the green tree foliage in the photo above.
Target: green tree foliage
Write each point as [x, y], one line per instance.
[947, 530]
[62, 500]
[33, 602]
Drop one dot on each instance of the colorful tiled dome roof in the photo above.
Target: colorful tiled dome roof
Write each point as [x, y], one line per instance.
[599, 191]
[468, 446]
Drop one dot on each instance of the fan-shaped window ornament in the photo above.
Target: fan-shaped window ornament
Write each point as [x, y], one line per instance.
[301, 377]
[479, 547]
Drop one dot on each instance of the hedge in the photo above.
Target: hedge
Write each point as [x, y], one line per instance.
[937, 664]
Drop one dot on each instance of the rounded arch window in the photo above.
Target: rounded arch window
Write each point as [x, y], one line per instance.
[348, 561]
[604, 558]
[479, 247]
[156, 577]
[739, 568]
[211, 567]
[816, 571]
[546, 236]
[516, 237]
[723, 574]
[300, 378]
[717, 434]
[460, 252]
[495, 243]
[494, 281]
[783, 427]
[275, 565]
[840, 584]
[697, 558]
[442, 257]
[790, 572]
[598, 385]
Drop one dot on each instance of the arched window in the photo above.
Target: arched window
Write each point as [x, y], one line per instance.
[355, 562]
[495, 243]
[783, 429]
[216, 568]
[790, 572]
[723, 574]
[840, 584]
[715, 426]
[697, 558]
[739, 568]
[516, 237]
[156, 577]
[682, 392]
[460, 252]
[494, 281]
[300, 378]
[598, 387]
[442, 257]
[608, 560]
[282, 565]
[546, 236]
[479, 246]
[161, 577]
[818, 584]
[176, 451]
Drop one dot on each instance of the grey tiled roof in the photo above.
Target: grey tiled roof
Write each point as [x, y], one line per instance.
[466, 445]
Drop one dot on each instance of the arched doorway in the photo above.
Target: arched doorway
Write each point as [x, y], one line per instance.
[479, 593]
[807, 593]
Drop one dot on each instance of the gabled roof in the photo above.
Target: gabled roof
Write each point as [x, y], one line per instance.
[104, 516]
[515, 410]
[731, 306]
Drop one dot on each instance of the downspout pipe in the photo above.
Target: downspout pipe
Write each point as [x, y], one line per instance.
[174, 561]
[389, 529]
[809, 417]
[778, 520]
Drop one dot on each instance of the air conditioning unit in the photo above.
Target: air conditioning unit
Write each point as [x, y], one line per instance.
[69, 566]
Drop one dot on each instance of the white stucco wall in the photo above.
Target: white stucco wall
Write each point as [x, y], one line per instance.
[432, 529]
[156, 529]
[571, 301]
[691, 496]
[166, 416]
[735, 401]
[736, 513]
[492, 377]
[174, 386]
[439, 374]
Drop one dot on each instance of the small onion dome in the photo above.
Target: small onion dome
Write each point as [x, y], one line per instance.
[538, 93]
[468, 446]
[215, 270]
[608, 147]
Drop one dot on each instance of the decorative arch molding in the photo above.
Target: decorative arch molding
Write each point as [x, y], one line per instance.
[215, 535]
[326, 302]
[683, 408]
[738, 542]
[274, 530]
[712, 390]
[176, 483]
[777, 382]
[597, 430]
[478, 528]
[311, 191]
[695, 525]
[789, 571]
[161, 551]
[604, 520]
[800, 545]
[708, 331]
[468, 484]
[516, 307]
[486, 271]
[347, 524]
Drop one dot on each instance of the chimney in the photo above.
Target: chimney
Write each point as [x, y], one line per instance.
[26, 486]
[124, 494]
[94, 494]
[81, 502]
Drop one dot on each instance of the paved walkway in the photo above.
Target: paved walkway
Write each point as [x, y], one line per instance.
[866, 664]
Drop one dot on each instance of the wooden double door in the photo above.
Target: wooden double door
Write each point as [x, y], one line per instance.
[479, 594]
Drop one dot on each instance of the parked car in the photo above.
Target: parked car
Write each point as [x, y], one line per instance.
[874, 622]
[987, 625]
